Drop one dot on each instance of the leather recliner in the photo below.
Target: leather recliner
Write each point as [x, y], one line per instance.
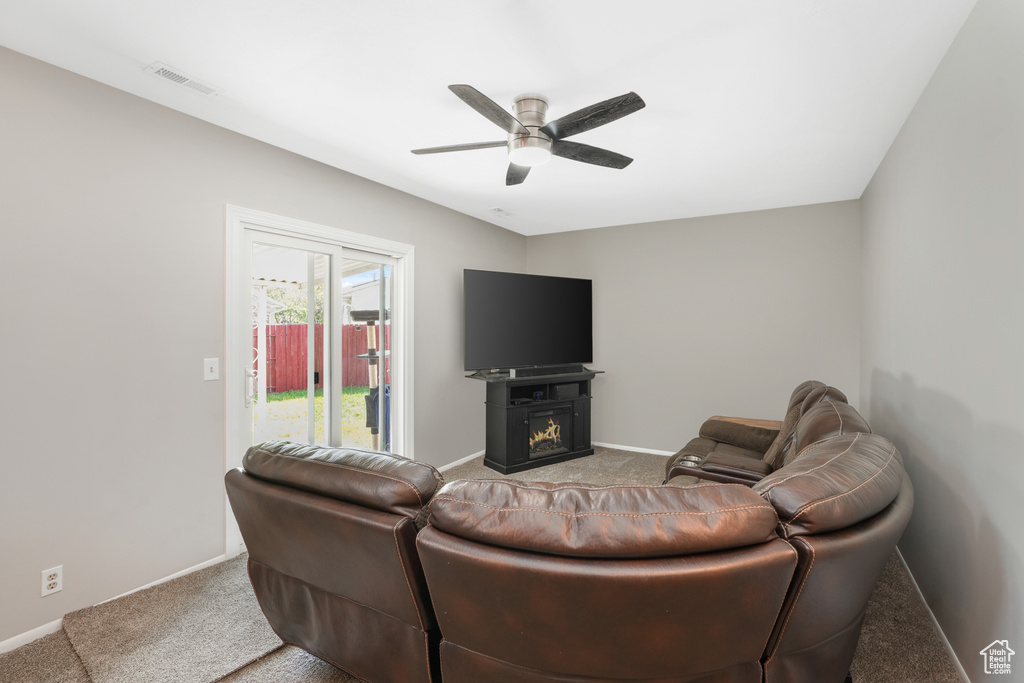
[843, 501]
[741, 450]
[332, 559]
[572, 583]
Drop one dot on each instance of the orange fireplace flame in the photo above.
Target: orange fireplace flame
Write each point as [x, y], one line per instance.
[552, 434]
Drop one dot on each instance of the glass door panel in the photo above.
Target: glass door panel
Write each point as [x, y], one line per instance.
[366, 348]
[290, 291]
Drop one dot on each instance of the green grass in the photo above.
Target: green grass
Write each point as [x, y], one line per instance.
[318, 393]
[285, 417]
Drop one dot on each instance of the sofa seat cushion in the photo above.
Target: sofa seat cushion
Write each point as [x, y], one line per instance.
[691, 458]
[733, 468]
[735, 451]
[373, 479]
[697, 446]
[604, 521]
[834, 484]
[702, 447]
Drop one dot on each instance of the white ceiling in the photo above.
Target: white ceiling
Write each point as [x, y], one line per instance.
[751, 104]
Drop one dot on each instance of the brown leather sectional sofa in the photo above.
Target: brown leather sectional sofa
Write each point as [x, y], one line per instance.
[365, 560]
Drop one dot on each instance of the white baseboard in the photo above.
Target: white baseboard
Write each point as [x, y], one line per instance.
[935, 623]
[54, 626]
[28, 636]
[632, 448]
[176, 575]
[450, 465]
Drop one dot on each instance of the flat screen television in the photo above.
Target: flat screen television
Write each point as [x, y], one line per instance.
[513, 320]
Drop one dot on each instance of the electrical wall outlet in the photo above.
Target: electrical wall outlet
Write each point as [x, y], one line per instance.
[53, 580]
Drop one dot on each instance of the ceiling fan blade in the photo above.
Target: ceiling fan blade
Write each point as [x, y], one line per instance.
[589, 155]
[516, 174]
[460, 148]
[593, 116]
[490, 109]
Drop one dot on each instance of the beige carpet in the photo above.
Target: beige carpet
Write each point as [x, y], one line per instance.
[209, 626]
[605, 466]
[289, 665]
[51, 659]
[898, 642]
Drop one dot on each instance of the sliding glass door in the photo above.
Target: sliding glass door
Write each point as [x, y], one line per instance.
[318, 344]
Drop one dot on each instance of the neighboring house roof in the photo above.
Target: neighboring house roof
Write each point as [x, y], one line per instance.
[364, 296]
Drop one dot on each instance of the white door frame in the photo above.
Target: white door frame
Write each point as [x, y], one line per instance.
[239, 220]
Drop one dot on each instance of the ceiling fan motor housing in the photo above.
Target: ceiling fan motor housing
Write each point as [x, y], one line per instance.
[529, 149]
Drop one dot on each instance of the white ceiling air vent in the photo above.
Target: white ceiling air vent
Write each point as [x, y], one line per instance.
[175, 76]
[498, 211]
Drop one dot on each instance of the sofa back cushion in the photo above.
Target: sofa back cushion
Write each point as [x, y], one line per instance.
[821, 420]
[801, 392]
[821, 394]
[372, 479]
[834, 483]
[604, 521]
[805, 396]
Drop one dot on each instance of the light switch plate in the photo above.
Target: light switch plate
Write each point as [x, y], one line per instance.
[211, 369]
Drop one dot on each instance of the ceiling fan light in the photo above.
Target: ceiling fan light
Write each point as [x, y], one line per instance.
[529, 151]
[529, 156]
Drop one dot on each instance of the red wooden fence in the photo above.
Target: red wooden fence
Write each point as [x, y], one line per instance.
[286, 355]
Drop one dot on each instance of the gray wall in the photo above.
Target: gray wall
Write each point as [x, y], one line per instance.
[944, 329]
[725, 314]
[112, 272]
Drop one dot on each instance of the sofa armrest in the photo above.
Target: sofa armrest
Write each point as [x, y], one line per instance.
[754, 435]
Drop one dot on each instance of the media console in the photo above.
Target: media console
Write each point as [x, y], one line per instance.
[536, 420]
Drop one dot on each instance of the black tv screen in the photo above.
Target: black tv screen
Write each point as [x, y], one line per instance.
[514, 320]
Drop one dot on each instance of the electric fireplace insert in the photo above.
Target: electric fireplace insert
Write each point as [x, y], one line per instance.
[550, 432]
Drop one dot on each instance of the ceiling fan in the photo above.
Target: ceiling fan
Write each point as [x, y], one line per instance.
[531, 141]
